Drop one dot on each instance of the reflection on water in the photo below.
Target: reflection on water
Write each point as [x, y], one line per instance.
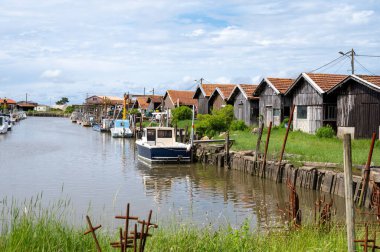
[44, 154]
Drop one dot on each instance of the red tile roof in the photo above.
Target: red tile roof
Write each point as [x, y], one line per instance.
[142, 102]
[281, 84]
[226, 90]
[183, 97]
[326, 81]
[9, 101]
[155, 98]
[249, 89]
[374, 79]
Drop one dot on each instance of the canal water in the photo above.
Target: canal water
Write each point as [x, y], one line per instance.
[100, 175]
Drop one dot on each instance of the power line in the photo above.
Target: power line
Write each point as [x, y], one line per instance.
[340, 57]
[364, 67]
[364, 55]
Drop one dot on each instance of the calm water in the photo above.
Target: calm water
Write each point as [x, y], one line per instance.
[100, 175]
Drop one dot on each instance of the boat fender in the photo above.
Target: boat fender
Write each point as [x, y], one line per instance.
[188, 148]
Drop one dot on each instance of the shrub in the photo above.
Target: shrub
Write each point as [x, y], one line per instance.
[70, 109]
[325, 132]
[218, 121]
[238, 125]
[181, 113]
[284, 123]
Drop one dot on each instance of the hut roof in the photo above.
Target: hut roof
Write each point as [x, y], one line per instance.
[246, 89]
[279, 85]
[9, 101]
[371, 81]
[319, 81]
[184, 97]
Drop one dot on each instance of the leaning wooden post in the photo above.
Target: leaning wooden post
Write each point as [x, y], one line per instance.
[266, 151]
[261, 129]
[227, 150]
[350, 217]
[367, 171]
[278, 177]
[186, 132]
[92, 231]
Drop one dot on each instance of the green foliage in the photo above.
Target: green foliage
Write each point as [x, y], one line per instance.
[325, 132]
[134, 112]
[63, 101]
[218, 121]
[181, 113]
[284, 123]
[238, 125]
[70, 109]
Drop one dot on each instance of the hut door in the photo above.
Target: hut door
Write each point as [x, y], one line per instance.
[240, 113]
[268, 116]
[369, 121]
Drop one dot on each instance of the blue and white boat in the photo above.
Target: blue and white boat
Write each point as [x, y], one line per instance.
[121, 128]
[159, 145]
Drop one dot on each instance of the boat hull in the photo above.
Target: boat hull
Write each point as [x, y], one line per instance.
[121, 132]
[163, 154]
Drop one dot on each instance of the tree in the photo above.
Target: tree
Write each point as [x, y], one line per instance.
[63, 101]
[181, 113]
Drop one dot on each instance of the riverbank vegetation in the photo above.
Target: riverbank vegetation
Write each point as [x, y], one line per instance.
[25, 229]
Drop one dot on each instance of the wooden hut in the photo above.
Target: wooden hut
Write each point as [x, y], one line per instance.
[155, 102]
[274, 106]
[141, 103]
[202, 95]
[7, 103]
[246, 106]
[358, 105]
[219, 98]
[176, 98]
[314, 107]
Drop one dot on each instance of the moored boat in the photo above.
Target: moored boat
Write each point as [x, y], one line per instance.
[121, 128]
[3, 125]
[159, 145]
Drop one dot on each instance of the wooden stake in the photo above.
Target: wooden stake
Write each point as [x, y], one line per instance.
[266, 151]
[227, 150]
[367, 171]
[350, 213]
[261, 129]
[278, 177]
[92, 231]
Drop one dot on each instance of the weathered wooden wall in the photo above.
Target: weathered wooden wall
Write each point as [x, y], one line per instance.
[246, 110]
[217, 102]
[358, 106]
[168, 103]
[305, 95]
[269, 101]
[202, 104]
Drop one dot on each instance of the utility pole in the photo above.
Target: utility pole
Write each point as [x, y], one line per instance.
[351, 55]
[26, 98]
[201, 80]
[153, 91]
[144, 91]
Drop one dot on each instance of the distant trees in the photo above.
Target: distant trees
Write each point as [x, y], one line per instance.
[63, 101]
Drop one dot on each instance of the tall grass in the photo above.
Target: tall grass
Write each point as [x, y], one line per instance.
[306, 147]
[28, 226]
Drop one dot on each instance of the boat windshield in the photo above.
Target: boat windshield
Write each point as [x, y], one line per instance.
[164, 134]
[122, 123]
[151, 135]
[1, 120]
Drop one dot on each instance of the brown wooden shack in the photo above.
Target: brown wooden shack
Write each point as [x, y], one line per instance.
[246, 106]
[314, 107]
[176, 98]
[202, 95]
[219, 98]
[358, 105]
[274, 106]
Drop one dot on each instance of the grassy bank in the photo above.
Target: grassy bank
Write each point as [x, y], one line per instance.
[306, 147]
[34, 228]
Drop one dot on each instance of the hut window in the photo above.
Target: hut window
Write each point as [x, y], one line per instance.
[302, 112]
[164, 134]
[276, 112]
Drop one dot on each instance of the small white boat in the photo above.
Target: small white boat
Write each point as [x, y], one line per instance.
[159, 145]
[121, 128]
[3, 125]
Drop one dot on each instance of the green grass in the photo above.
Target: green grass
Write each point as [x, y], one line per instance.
[306, 147]
[34, 228]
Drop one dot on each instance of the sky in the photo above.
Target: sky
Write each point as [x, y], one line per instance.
[69, 48]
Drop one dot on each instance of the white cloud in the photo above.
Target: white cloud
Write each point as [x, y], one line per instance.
[196, 33]
[48, 74]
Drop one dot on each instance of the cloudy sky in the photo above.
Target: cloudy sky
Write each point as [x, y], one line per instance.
[72, 48]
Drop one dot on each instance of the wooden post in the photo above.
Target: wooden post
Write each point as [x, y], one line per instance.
[181, 135]
[278, 177]
[92, 231]
[350, 217]
[261, 129]
[175, 132]
[227, 150]
[367, 171]
[266, 151]
[186, 131]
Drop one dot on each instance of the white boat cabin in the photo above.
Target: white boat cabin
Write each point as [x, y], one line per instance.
[159, 136]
